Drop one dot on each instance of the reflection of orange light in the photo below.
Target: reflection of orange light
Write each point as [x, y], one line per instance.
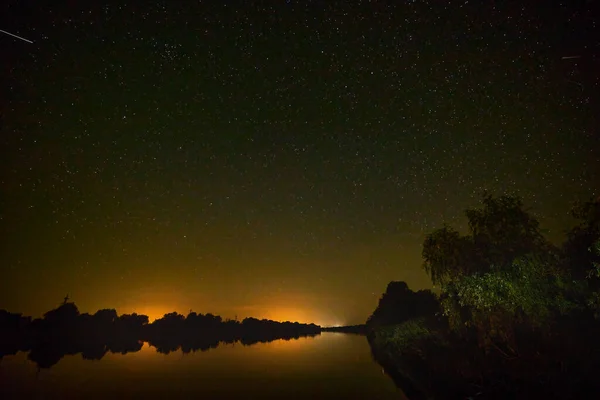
[282, 345]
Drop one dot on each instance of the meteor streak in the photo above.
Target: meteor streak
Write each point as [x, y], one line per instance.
[18, 37]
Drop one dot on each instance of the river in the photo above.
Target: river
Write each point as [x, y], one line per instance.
[330, 365]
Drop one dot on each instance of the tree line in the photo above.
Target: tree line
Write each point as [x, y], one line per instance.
[516, 315]
[64, 330]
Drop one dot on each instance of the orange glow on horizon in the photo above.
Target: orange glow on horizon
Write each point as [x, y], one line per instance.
[281, 307]
[283, 314]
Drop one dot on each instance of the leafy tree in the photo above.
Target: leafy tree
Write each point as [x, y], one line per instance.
[106, 316]
[502, 274]
[593, 301]
[578, 248]
[133, 321]
[530, 292]
[502, 231]
[444, 253]
[67, 313]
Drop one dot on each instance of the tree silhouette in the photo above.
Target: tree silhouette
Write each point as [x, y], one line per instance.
[65, 315]
[578, 248]
[65, 331]
[444, 254]
[399, 304]
[500, 232]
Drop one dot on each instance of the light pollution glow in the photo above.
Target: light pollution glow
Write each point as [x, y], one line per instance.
[155, 301]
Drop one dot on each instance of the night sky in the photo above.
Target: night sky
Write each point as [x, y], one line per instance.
[278, 159]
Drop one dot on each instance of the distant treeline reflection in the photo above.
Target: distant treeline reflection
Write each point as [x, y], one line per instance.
[65, 331]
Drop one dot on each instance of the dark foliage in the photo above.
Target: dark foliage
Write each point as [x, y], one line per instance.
[576, 249]
[520, 318]
[399, 304]
[64, 331]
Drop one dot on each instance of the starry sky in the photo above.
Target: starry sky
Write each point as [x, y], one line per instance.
[277, 159]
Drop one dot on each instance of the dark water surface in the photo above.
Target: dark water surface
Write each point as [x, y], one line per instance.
[331, 365]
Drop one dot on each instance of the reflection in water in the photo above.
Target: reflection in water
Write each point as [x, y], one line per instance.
[64, 331]
[46, 353]
[330, 365]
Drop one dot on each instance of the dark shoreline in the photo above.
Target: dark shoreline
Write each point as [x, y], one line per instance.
[64, 331]
[516, 316]
[433, 363]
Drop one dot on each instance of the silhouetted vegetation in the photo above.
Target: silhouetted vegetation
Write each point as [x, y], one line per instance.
[399, 304]
[517, 317]
[64, 331]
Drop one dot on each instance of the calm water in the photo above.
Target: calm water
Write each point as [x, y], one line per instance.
[332, 365]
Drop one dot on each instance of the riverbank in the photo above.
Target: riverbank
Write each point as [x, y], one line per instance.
[516, 316]
[427, 361]
[416, 356]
